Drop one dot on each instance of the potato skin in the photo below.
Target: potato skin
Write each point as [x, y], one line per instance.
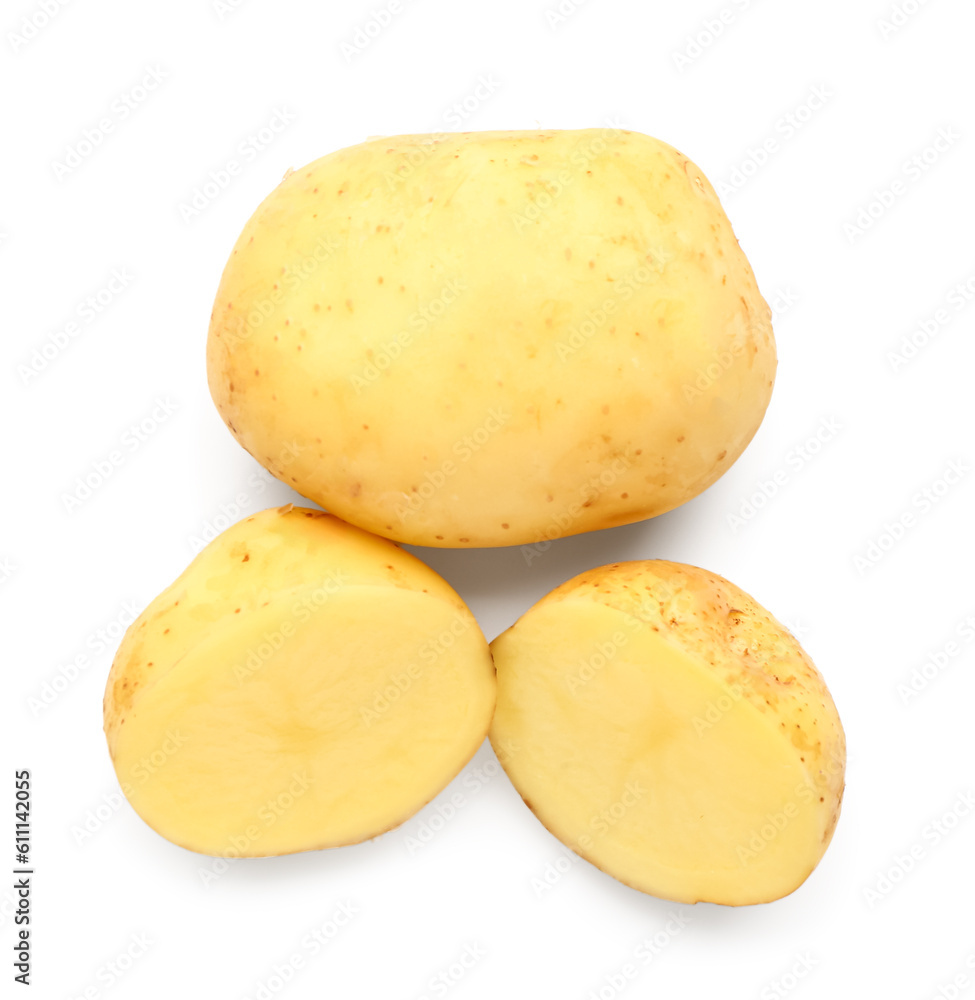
[492, 338]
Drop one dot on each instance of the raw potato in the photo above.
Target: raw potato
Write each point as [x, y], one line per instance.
[668, 729]
[302, 685]
[492, 338]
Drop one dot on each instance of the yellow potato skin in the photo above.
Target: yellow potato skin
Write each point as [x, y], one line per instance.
[492, 338]
[303, 684]
[668, 729]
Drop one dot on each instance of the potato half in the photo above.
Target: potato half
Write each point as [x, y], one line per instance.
[302, 685]
[668, 729]
[492, 338]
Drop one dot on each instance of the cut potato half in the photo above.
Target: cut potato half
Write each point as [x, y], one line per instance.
[302, 685]
[668, 729]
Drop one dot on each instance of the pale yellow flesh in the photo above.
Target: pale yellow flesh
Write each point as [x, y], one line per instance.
[492, 338]
[325, 713]
[651, 757]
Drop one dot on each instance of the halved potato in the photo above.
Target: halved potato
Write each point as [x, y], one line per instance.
[302, 685]
[668, 729]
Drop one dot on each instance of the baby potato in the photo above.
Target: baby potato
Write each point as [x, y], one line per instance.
[302, 685]
[492, 338]
[668, 729]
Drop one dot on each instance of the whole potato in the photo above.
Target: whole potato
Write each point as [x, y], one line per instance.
[492, 338]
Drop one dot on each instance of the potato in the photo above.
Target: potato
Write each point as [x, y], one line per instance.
[492, 338]
[668, 729]
[302, 685]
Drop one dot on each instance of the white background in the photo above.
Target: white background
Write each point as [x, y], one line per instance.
[845, 300]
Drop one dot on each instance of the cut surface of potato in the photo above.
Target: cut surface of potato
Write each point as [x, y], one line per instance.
[302, 685]
[668, 729]
[492, 338]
